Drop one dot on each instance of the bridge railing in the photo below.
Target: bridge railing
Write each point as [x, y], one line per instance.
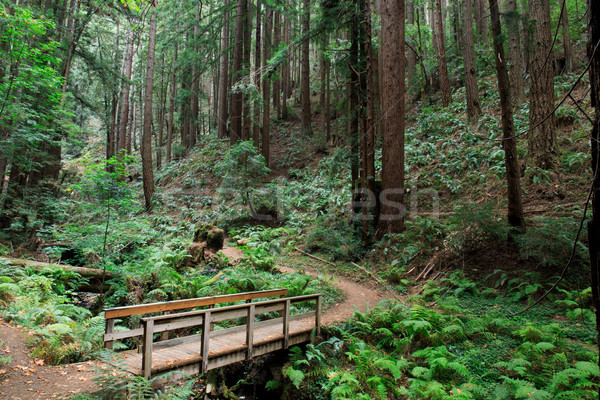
[206, 318]
[111, 314]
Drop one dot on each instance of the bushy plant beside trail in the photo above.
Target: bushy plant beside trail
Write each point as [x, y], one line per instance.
[42, 301]
[456, 351]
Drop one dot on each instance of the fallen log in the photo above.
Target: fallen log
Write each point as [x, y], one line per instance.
[96, 276]
[38, 265]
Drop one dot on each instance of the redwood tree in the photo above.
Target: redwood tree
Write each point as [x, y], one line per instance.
[542, 135]
[509, 142]
[306, 113]
[147, 172]
[392, 105]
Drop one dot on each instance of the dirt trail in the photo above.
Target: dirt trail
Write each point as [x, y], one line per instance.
[357, 296]
[25, 378]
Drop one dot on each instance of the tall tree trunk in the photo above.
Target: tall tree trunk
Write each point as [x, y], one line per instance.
[525, 34]
[127, 70]
[257, 74]
[542, 136]
[517, 85]
[472, 95]
[411, 56]
[247, 121]
[285, 72]
[440, 44]
[266, 86]
[370, 105]
[568, 51]
[425, 87]
[481, 15]
[235, 133]
[306, 112]
[172, 93]
[195, 89]
[223, 88]
[277, 81]
[593, 52]
[147, 171]
[392, 104]
[353, 132]
[509, 142]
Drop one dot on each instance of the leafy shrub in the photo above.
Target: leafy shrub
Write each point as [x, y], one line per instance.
[475, 226]
[549, 242]
[332, 235]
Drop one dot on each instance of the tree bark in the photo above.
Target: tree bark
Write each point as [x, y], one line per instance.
[235, 132]
[223, 88]
[515, 65]
[147, 171]
[266, 86]
[568, 51]
[285, 72]
[471, 91]
[411, 56]
[393, 107]
[172, 92]
[127, 70]
[593, 52]
[257, 73]
[440, 44]
[306, 112]
[542, 136]
[277, 81]
[509, 142]
[247, 22]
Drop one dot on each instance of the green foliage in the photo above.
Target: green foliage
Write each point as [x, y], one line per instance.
[549, 242]
[242, 170]
[475, 226]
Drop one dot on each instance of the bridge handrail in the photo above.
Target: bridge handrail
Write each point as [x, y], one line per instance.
[110, 314]
[205, 318]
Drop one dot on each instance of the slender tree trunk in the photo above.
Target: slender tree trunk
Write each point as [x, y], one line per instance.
[353, 132]
[440, 43]
[411, 56]
[542, 136]
[257, 73]
[472, 95]
[127, 70]
[392, 103]
[247, 121]
[425, 87]
[509, 142]
[517, 85]
[147, 171]
[593, 52]
[223, 88]
[306, 112]
[265, 143]
[370, 100]
[526, 37]
[172, 93]
[480, 19]
[195, 91]
[277, 81]
[285, 72]
[568, 51]
[235, 133]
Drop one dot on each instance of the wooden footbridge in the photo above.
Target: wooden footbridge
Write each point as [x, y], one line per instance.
[177, 335]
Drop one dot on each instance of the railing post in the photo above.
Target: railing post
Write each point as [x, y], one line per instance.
[165, 335]
[286, 324]
[147, 354]
[318, 315]
[250, 331]
[204, 341]
[110, 328]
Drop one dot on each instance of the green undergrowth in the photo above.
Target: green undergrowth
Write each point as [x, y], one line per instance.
[460, 346]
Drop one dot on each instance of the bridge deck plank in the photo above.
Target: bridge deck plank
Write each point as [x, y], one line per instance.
[180, 352]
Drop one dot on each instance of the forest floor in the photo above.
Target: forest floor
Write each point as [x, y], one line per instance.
[28, 378]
